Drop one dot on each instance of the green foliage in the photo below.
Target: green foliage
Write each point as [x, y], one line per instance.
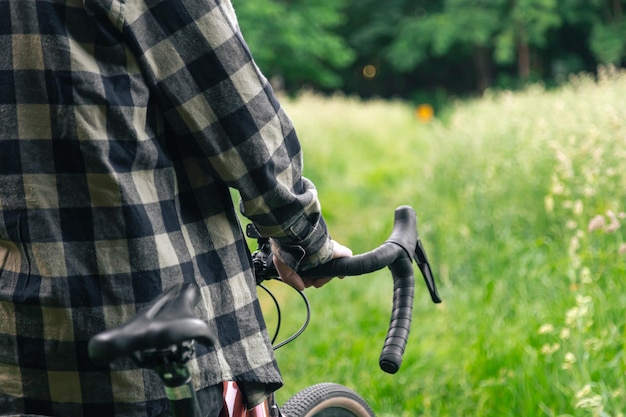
[419, 46]
[499, 24]
[295, 40]
[520, 200]
[607, 43]
[605, 18]
[528, 21]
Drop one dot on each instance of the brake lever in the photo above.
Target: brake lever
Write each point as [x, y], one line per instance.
[427, 273]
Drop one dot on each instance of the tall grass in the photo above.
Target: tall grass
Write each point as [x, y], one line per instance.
[520, 199]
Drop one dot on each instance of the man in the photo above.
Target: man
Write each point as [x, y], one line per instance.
[124, 124]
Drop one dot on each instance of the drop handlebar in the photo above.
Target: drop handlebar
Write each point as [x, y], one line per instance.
[397, 253]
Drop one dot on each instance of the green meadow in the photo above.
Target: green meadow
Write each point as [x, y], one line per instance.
[520, 198]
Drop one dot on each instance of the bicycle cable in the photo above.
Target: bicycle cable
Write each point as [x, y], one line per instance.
[278, 311]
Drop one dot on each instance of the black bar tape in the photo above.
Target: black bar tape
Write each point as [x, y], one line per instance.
[400, 323]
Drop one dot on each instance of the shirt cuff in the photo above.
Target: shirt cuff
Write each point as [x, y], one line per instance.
[315, 249]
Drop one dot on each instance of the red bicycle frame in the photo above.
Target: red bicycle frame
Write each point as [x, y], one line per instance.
[234, 404]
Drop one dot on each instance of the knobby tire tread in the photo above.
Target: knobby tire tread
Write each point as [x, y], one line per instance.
[312, 401]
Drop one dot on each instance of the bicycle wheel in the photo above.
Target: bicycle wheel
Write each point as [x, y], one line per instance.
[326, 400]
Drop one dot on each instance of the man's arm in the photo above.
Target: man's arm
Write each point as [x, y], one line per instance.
[220, 105]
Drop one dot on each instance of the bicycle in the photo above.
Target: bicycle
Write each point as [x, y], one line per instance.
[161, 337]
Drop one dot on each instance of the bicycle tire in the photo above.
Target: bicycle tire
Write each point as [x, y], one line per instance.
[326, 400]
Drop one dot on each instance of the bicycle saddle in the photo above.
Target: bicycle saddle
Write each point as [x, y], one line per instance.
[168, 320]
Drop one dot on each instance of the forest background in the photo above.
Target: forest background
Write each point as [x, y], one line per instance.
[426, 51]
[520, 197]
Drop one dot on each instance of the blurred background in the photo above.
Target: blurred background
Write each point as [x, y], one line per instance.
[426, 50]
[503, 123]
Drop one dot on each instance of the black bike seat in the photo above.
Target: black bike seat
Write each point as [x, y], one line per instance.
[168, 320]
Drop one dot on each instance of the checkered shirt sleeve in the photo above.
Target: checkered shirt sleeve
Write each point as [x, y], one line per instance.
[124, 126]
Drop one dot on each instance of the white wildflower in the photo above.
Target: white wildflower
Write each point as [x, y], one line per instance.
[548, 202]
[549, 349]
[568, 360]
[584, 301]
[614, 223]
[596, 223]
[571, 316]
[574, 245]
[592, 344]
[545, 328]
[585, 276]
[583, 392]
[578, 207]
[558, 188]
[592, 402]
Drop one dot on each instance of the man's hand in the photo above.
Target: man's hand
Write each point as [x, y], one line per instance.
[292, 278]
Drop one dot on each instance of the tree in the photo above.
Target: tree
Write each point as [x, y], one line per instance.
[500, 31]
[525, 26]
[462, 26]
[295, 40]
[605, 20]
[426, 49]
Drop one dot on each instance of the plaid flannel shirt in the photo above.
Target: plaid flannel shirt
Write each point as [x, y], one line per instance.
[123, 127]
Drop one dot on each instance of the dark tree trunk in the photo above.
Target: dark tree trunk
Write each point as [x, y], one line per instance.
[523, 60]
[482, 66]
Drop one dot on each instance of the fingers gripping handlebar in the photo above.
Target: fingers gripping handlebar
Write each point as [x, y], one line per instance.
[397, 253]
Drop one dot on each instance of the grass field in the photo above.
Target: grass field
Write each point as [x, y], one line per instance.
[520, 199]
